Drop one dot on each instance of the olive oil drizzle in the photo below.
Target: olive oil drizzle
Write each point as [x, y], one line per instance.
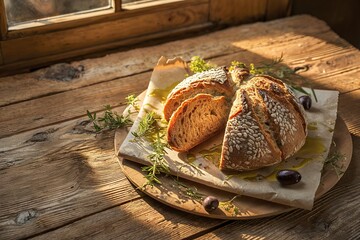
[312, 148]
[162, 93]
[213, 155]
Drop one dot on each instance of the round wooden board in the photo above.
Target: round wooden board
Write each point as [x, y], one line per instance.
[175, 192]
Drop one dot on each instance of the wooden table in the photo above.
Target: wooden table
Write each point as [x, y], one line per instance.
[61, 180]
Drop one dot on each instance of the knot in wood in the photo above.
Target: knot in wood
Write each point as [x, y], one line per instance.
[25, 216]
[64, 72]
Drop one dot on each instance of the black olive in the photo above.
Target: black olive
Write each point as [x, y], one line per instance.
[305, 101]
[210, 203]
[288, 177]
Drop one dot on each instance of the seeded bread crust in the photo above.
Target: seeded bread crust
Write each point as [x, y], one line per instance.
[214, 82]
[287, 122]
[196, 120]
[280, 89]
[247, 145]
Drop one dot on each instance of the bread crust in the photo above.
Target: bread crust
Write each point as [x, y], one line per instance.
[214, 82]
[246, 144]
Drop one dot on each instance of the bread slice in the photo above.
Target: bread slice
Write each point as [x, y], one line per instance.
[196, 120]
[285, 116]
[214, 82]
[247, 144]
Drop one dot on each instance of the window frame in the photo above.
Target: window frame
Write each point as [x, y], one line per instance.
[135, 23]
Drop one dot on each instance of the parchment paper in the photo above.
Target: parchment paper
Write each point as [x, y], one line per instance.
[200, 165]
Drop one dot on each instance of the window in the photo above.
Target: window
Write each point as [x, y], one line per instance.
[21, 11]
[36, 33]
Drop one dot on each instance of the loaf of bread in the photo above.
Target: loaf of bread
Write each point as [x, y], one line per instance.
[263, 121]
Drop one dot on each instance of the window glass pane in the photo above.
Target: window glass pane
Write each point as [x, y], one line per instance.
[137, 1]
[19, 11]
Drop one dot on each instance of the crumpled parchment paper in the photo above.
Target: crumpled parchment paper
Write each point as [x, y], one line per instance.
[200, 164]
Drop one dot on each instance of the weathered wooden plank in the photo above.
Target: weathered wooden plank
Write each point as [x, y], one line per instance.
[343, 76]
[349, 110]
[38, 85]
[81, 177]
[58, 175]
[158, 221]
[242, 11]
[32, 153]
[126, 63]
[101, 50]
[334, 216]
[89, 36]
[66, 22]
[74, 103]
[69, 105]
[140, 219]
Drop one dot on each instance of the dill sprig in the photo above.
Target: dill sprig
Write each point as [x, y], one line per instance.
[111, 119]
[198, 64]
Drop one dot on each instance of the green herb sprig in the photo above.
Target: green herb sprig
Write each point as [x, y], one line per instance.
[191, 192]
[272, 68]
[159, 165]
[198, 64]
[229, 206]
[151, 131]
[111, 119]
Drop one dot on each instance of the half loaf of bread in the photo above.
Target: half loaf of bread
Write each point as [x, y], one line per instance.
[264, 122]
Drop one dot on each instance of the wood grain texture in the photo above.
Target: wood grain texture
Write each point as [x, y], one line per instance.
[59, 24]
[139, 219]
[60, 180]
[335, 215]
[338, 71]
[241, 11]
[101, 50]
[349, 109]
[57, 176]
[231, 41]
[70, 104]
[89, 36]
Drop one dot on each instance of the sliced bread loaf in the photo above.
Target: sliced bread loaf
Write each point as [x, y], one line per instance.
[266, 124]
